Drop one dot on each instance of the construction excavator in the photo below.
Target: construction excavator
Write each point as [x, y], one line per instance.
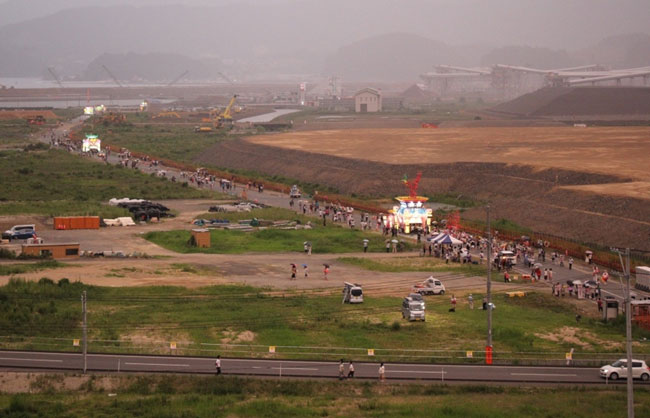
[219, 120]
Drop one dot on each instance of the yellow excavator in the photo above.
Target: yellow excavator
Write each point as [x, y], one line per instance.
[219, 120]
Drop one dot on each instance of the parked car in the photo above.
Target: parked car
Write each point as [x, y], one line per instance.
[413, 310]
[19, 232]
[618, 369]
[352, 293]
[430, 286]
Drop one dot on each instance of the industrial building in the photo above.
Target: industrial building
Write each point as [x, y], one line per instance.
[367, 100]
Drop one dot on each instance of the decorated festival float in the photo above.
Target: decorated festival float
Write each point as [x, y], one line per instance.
[411, 214]
[91, 143]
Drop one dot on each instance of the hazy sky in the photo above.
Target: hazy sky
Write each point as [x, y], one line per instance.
[551, 23]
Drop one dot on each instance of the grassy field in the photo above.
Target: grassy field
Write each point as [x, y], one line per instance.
[21, 268]
[192, 396]
[332, 240]
[413, 263]
[145, 319]
[15, 133]
[55, 182]
[175, 142]
[69, 113]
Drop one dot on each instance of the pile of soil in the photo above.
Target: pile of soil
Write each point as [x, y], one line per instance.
[527, 195]
[580, 102]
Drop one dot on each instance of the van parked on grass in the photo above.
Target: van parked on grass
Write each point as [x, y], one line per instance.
[352, 293]
[413, 309]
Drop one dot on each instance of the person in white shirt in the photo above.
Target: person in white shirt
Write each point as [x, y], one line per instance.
[351, 371]
[217, 365]
[382, 373]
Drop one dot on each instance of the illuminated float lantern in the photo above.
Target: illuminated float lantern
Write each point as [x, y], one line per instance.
[411, 212]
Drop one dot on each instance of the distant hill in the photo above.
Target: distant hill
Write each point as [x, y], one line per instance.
[151, 67]
[623, 51]
[527, 56]
[393, 56]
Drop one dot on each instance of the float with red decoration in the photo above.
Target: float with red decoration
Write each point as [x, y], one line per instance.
[411, 214]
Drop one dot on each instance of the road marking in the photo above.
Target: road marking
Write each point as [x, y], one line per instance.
[414, 371]
[542, 374]
[30, 359]
[158, 364]
[293, 368]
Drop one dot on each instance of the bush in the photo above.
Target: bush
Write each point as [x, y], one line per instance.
[46, 282]
[396, 326]
[8, 254]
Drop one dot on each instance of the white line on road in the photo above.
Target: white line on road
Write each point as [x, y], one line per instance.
[414, 371]
[541, 374]
[292, 368]
[158, 364]
[30, 359]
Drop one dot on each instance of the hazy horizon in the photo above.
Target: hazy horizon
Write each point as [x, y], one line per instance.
[304, 36]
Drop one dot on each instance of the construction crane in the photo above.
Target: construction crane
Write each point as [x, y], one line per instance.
[56, 77]
[229, 81]
[177, 79]
[112, 76]
[226, 116]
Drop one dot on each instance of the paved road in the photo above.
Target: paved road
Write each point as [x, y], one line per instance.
[18, 360]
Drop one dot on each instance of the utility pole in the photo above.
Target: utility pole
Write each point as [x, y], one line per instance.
[489, 282]
[628, 330]
[85, 331]
[628, 337]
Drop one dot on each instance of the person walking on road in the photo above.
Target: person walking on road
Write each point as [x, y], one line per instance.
[382, 373]
[306, 270]
[341, 370]
[570, 263]
[293, 272]
[217, 365]
[351, 370]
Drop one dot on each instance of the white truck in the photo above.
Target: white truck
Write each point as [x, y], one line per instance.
[294, 193]
[430, 286]
[352, 293]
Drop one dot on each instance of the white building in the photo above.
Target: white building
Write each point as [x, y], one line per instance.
[367, 100]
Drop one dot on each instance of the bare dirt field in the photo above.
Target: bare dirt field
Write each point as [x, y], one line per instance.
[588, 184]
[618, 151]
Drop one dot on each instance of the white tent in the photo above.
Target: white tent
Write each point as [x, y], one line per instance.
[447, 240]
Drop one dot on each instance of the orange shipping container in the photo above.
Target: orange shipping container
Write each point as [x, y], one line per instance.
[76, 222]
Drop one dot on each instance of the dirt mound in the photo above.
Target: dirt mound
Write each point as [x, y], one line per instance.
[600, 102]
[529, 196]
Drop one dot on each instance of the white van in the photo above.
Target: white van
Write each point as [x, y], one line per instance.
[352, 293]
[509, 256]
[413, 309]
